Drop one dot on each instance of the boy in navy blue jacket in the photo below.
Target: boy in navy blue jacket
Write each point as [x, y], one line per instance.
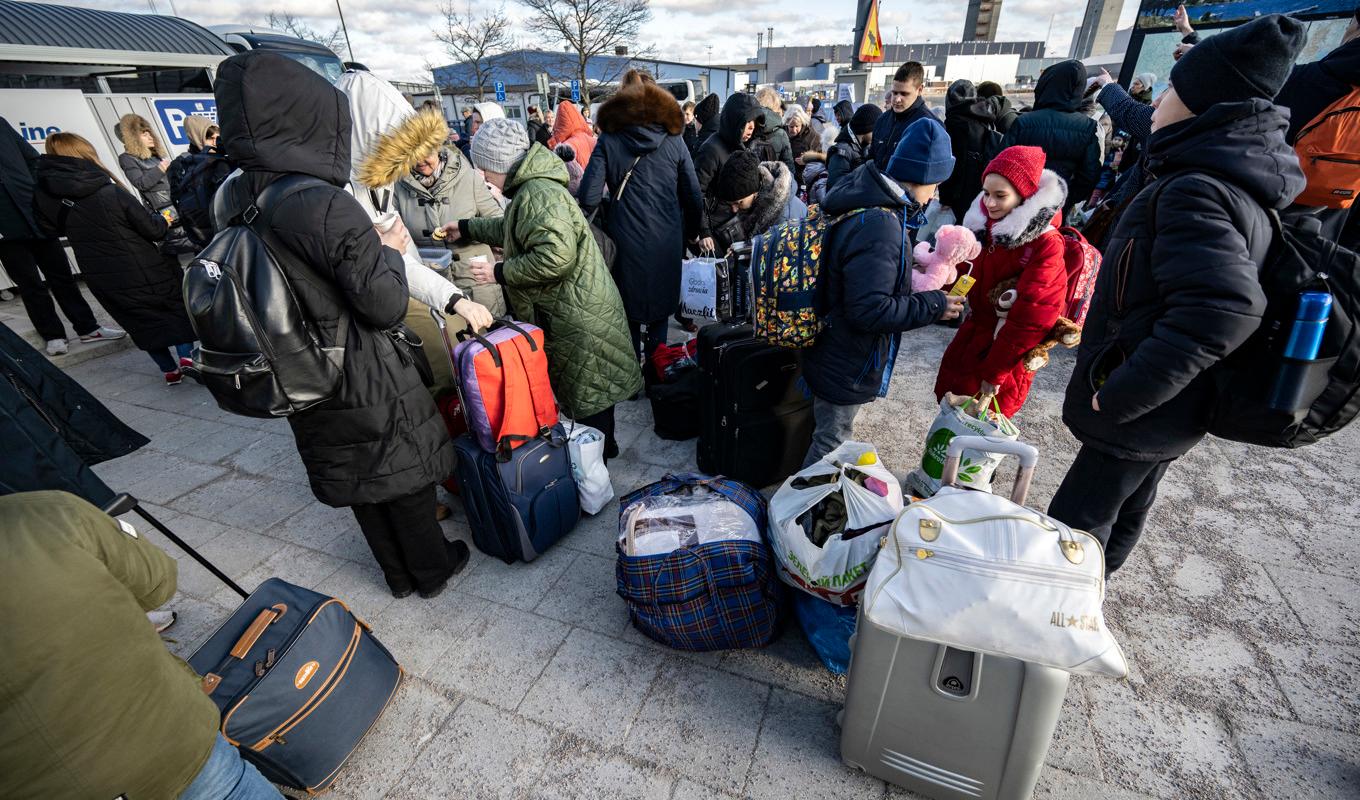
[864, 294]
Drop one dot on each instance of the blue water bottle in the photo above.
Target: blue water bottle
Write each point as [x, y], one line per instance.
[1305, 338]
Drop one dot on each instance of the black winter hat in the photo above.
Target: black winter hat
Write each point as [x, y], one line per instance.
[1251, 60]
[740, 177]
[707, 109]
[865, 117]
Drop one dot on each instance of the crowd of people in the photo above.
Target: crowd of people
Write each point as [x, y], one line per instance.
[1177, 190]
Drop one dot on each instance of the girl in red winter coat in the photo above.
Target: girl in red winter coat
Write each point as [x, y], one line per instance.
[1016, 217]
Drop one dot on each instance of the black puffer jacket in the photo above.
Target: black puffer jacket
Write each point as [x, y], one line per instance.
[17, 160]
[1179, 292]
[380, 438]
[864, 296]
[1067, 136]
[972, 127]
[113, 236]
[844, 158]
[661, 205]
[1313, 87]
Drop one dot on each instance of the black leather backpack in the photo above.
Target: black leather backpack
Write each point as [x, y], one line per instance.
[260, 354]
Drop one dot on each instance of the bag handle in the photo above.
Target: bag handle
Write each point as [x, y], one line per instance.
[1029, 457]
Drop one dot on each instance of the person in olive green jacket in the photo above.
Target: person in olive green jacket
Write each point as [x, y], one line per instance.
[555, 276]
[91, 702]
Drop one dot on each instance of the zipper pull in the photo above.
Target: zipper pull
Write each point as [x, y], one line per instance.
[259, 669]
[923, 554]
[277, 739]
[269, 658]
[238, 381]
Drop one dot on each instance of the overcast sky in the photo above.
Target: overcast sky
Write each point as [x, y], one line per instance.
[394, 37]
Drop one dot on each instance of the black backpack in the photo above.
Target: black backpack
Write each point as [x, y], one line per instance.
[194, 180]
[1300, 260]
[260, 354]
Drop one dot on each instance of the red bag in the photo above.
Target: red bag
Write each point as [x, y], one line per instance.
[668, 360]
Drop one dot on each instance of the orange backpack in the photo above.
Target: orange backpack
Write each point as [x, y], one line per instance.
[1329, 153]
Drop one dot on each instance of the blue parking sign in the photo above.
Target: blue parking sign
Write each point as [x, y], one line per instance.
[173, 112]
[500, 91]
[575, 91]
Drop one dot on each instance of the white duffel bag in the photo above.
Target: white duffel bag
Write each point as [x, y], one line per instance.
[976, 571]
[835, 570]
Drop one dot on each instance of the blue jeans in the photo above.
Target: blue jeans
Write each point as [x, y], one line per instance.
[167, 362]
[226, 777]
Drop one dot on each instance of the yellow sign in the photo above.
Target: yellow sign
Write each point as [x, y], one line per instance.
[871, 44]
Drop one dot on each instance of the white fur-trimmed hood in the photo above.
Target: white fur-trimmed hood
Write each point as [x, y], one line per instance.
[1027, 221]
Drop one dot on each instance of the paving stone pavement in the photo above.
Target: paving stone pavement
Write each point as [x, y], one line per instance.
[1238, 613]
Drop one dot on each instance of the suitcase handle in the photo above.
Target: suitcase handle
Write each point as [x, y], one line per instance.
[241, 649]
[1029, 457]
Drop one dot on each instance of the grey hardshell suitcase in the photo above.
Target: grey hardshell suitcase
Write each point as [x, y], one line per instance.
[944, 722]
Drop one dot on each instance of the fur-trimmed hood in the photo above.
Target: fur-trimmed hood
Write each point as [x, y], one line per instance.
[130, 127]
[1027, 221]
[388, 136]
[641, 105]
[776, 187]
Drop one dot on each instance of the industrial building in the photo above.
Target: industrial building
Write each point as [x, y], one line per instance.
[980, 24]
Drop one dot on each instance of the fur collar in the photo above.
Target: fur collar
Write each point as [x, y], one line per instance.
[1027, 221]
[130, 127]
[639, 105]
[395, 152]
[776, 186]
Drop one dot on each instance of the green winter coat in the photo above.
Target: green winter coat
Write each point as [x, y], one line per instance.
[92, 704]
[556, 279]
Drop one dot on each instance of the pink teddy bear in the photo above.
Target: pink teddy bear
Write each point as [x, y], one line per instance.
[954, 244]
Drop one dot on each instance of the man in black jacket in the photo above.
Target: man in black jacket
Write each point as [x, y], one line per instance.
[971, 122]
[865, 297]
[737, 123]
[907, 106]
[24, 252]
[1067, 136]
[1179, 291]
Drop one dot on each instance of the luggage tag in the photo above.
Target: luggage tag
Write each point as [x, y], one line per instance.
[964, 283]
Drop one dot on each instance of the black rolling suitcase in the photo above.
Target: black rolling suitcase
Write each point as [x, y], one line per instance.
[755, 410]
[298, 678]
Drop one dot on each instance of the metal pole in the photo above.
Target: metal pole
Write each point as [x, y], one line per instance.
[348, 46]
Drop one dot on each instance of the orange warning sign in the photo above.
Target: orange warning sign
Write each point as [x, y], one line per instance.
[871, 44]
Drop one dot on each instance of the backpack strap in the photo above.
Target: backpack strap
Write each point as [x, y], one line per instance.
[63, 214]
[259, 217]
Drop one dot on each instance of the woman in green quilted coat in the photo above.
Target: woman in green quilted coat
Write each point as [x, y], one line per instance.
[554, 275]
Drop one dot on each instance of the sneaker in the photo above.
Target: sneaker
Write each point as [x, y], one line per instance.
[173, 378]
[57, 347]
[185, 363]
[103, 333]
[458, 558]
[162, 620]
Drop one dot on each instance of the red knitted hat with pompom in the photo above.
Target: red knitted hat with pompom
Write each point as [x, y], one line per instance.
[1022, 165]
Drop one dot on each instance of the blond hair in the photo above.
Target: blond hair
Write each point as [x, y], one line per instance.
[770, 99]
[73, 145]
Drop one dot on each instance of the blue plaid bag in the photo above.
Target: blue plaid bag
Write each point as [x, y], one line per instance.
[711, 596]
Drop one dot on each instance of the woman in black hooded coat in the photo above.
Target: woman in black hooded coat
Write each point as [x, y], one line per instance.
[115, 240]
[660, 207]
[971, 124]
[378, 445]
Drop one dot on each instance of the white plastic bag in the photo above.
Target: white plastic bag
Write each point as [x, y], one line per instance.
[836, 570]
[976, 467]
[699, 287]
[585, 445]
[664, 523]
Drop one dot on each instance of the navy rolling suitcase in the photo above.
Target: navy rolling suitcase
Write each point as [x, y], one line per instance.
[518, 508]
[298, 678]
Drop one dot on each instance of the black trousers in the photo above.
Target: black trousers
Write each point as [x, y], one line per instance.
[1110, 498]
[406, 540]
[654, 337]
[23, 258]
[603, 421]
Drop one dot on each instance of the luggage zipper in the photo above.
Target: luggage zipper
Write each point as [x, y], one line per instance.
[1334, 160]
[315, 701]
[1011, 570]
[1095, 543]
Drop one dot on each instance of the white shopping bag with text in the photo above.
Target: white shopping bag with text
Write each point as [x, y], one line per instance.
[699, 287]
